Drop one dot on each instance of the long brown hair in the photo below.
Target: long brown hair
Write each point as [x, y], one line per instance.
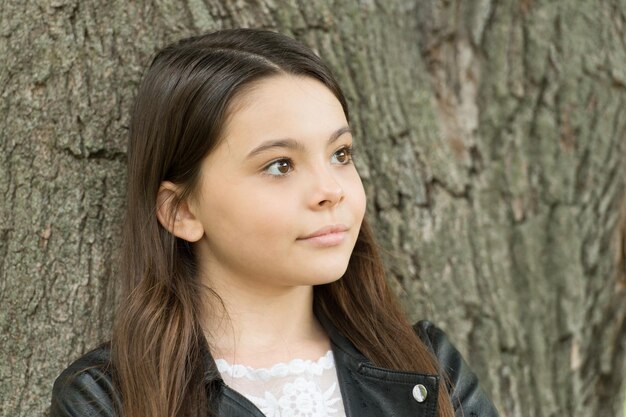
[179, 115]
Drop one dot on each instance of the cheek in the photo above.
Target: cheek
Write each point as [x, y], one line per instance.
[253, 215]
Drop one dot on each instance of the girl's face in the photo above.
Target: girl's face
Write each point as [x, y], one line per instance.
[282, 172]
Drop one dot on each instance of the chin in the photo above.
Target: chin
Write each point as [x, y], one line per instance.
[328, 275]
[327, 281]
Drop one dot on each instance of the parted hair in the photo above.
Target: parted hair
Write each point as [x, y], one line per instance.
[180, 111]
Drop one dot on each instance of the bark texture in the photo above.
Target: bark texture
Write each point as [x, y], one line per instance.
[490, 139]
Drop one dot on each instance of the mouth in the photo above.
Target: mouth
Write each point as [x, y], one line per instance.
[326, 230]
[327, 236]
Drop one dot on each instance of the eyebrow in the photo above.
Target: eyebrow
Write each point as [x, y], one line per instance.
[290, 143]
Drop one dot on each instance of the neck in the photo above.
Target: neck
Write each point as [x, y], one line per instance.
[259, 327]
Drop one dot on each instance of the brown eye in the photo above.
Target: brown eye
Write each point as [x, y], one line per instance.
[279, 167]
[343, 156]
[283, 167]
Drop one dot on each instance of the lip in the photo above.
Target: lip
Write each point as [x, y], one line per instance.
[333, 229]
[327, 236]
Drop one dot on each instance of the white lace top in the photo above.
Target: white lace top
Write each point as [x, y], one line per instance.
[299, 388]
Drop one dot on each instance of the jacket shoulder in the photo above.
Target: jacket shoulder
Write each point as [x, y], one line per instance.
[85, 388]
[468, 398]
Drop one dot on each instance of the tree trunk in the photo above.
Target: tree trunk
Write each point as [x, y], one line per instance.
[490, 139]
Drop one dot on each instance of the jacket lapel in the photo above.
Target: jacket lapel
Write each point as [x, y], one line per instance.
[370, 391]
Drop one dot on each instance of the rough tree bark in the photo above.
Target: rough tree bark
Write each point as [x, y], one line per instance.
[491, 144]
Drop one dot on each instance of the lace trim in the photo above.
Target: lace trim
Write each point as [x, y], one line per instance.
[293, 367]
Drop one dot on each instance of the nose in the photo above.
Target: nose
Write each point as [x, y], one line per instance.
[328, 192]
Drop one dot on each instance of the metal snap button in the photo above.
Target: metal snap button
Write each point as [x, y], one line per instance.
[419, 393]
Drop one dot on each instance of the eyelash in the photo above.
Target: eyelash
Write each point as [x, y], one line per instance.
[348, 149]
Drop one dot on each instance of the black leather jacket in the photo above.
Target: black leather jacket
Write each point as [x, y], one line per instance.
[85, 388]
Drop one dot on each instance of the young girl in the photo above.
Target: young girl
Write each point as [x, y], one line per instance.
[253, 283]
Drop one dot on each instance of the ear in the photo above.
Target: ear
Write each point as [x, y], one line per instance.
[179, 221]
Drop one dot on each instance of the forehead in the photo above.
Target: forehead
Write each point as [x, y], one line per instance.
[283, 106]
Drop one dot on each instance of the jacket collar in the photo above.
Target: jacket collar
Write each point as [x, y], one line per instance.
[368, 390]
